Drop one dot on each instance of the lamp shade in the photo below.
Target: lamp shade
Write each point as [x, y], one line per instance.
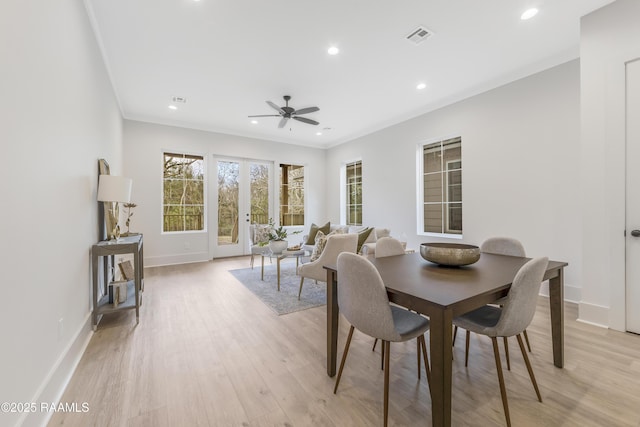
[113, 188]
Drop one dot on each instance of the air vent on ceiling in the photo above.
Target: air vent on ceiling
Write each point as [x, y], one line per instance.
[419, 35]
[181, 99]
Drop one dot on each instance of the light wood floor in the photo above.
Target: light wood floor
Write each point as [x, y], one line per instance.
[207, 352]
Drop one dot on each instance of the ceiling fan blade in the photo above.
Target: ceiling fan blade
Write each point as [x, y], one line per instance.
[306, 110]
[305, 120]
[266, 115]
[283, 122]
[275, 107]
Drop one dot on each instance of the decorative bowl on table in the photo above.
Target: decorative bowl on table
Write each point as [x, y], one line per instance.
[450, 254]
[277, 246]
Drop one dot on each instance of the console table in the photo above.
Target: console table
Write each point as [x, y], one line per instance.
[109, 248]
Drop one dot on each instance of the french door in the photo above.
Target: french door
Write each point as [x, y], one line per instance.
[243, 196]
[632, 248]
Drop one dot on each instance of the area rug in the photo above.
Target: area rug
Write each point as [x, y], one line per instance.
[285, 301]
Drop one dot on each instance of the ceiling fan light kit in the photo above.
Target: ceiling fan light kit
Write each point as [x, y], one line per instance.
[286, 113]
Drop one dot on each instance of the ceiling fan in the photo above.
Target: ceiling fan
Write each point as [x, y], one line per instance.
[287, 113]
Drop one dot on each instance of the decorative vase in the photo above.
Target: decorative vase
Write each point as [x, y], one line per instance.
[277, 246]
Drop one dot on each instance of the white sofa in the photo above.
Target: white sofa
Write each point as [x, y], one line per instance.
[369, 246]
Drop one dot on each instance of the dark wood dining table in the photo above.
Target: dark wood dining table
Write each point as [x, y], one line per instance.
[443, 293]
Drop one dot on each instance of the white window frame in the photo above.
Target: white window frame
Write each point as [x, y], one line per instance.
[277, 205]
[420, 203]
[204, 195]
[446, 192]
[343, 189]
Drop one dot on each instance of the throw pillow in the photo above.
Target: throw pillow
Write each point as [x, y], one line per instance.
[261, 234]
[321, 242]
[373, 236]
[362, 237]
[311, 238]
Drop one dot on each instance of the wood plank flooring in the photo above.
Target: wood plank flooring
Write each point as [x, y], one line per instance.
[207, 352]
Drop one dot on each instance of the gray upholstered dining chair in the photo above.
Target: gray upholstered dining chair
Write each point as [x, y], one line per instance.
[505, 246]
[388, 246]
[363, 300]
[510, 319]
[335, 245]
[500, 246]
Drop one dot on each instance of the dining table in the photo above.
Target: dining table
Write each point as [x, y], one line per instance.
[443, 293]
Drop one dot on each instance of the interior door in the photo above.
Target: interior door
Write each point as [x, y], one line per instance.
[633, 198]
[243, 197]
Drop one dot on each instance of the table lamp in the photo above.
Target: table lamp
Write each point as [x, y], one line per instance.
[114, 189]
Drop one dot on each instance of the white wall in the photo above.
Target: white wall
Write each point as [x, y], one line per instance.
[144, 145]
[609, 37]
[58, 116]
[520, 167]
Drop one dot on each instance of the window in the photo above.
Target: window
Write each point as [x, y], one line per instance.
[259, 174]
[291, 195]
[353, 193]
[183, 193]
[440, 184]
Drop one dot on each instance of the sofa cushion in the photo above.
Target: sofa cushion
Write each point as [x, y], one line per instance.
[382, 232]
[311, 237]
[368, 245]
[356, 228]
[340, 228]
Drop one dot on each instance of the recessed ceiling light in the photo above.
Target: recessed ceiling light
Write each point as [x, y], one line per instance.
[318, 133]
[529, 13]
[173, 107]
[421, 86]
[254, 122]
[333, 50]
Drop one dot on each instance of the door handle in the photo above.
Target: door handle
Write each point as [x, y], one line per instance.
[635, 233]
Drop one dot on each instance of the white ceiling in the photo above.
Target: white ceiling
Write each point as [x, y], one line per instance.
[227, 57]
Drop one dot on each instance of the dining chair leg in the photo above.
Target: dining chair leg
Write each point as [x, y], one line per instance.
[251, 261]
[526, 338]
[506, 353]
[426, 359]
[300, 291]
[529, 368]
[386, 345]
[344, 358]
[374, 344]
[466, 348]
[455, 332]
[382, 357]
[503, 390]
[418, 353]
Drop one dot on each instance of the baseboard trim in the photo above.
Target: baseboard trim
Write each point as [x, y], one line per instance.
[158, 261]
[571, 293]
[56, 381]
[593, 314]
